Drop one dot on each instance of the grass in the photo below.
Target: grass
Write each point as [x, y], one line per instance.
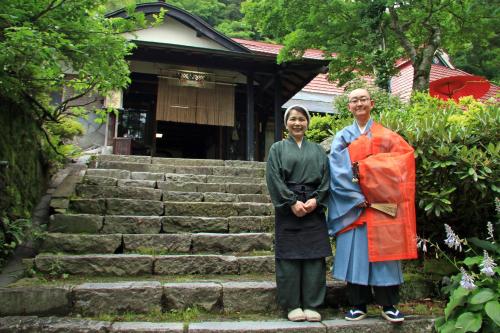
[40, 279]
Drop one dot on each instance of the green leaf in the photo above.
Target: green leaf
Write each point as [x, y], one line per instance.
[470, 261]
[482, 296]
[469, 322]
[488, 246]
[457, 298]
[492, 309]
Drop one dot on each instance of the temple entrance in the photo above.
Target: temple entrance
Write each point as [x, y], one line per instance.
[189, 140]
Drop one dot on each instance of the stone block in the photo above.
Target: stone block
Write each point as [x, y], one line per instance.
[124, 158]
[134, 207]
[99, 180]
[80, 243]
[178, 187]
[194, 170]
[210, 187]
[245, 164]
[91, 299]
[75, 223]
[256, 264]
[128, 166]
[131, 225]
[249, 296]
[59, 203]
[113, 173]
[39, 300]
[175, 224]
[267, 223]
[146, 327]
[195, 264]
[105, 264]
[219, 197]
[205, 295]
[336, 294]
[243, 188]
[253, 209]
[182, 178]
[208, 209]
[138, 183]
[160, 243]
[257, 327]
[231, 243]
[245, 224]
[233, 179]
[160, 168]
[89, 191]
[187, 161]
[410, 325]
[182, 196]
[238, 171]
[88, 206]
[262, 198]
[67, 187]
[154, 176]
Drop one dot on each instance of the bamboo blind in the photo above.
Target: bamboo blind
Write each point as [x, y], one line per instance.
[208, 106]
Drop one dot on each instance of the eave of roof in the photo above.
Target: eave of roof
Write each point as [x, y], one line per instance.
[187, 18]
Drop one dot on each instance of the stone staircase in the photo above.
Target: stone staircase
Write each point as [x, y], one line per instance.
[142, 235]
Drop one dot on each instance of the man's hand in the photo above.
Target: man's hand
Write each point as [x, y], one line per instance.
[311, 205]
[299, 209]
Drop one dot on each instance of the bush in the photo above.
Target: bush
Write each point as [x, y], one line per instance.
[457, 151]
[457, 148]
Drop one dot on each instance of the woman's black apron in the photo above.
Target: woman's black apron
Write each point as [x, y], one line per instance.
[301, 237]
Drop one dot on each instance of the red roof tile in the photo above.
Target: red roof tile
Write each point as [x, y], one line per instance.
[400, 85]
[274, 49]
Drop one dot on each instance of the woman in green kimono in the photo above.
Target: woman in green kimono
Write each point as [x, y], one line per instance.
[297, 177]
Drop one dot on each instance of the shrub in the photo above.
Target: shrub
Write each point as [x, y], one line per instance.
[457, 148]
[473, 292]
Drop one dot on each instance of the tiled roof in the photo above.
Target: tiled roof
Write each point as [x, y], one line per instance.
[320, 84]
[274, 49]
[402, 83]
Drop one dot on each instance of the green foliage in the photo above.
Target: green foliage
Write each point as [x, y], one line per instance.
[457, 151]
[12, 234]
[367, 37]
[53, 53]
[474, 292]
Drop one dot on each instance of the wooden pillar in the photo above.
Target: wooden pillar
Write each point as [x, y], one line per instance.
[278, 119]
[250, 119]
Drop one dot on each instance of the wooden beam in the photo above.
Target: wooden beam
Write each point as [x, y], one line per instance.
[250, 118]
[278, 124]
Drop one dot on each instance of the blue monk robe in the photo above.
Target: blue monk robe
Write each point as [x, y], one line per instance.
[351, 258]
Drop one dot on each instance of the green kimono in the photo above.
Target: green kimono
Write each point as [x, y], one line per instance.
[293, 174]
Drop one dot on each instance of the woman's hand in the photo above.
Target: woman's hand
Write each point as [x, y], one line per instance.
[299, 209]
[310, 205]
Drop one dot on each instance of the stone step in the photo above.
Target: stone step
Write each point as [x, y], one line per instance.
[116, 206]
[118, 224]
[157, 243]
[183, 169]
[120, 177]
[92, 299]
[16, 324]
[126, 192]
[138, 264]
[179, 161]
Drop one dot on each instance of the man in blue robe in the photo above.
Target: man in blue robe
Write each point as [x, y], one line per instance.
[347, 203]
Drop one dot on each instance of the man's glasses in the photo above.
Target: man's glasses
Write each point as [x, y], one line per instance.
[363, 100]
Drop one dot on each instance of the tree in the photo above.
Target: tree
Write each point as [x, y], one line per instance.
[42, 41]
[367, 37]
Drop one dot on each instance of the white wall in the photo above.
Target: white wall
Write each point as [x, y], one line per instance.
[172, 31]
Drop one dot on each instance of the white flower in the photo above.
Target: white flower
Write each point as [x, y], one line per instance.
[489, 226]
[452, 240]
[467, 281]
[422, 243]
[487, 265]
